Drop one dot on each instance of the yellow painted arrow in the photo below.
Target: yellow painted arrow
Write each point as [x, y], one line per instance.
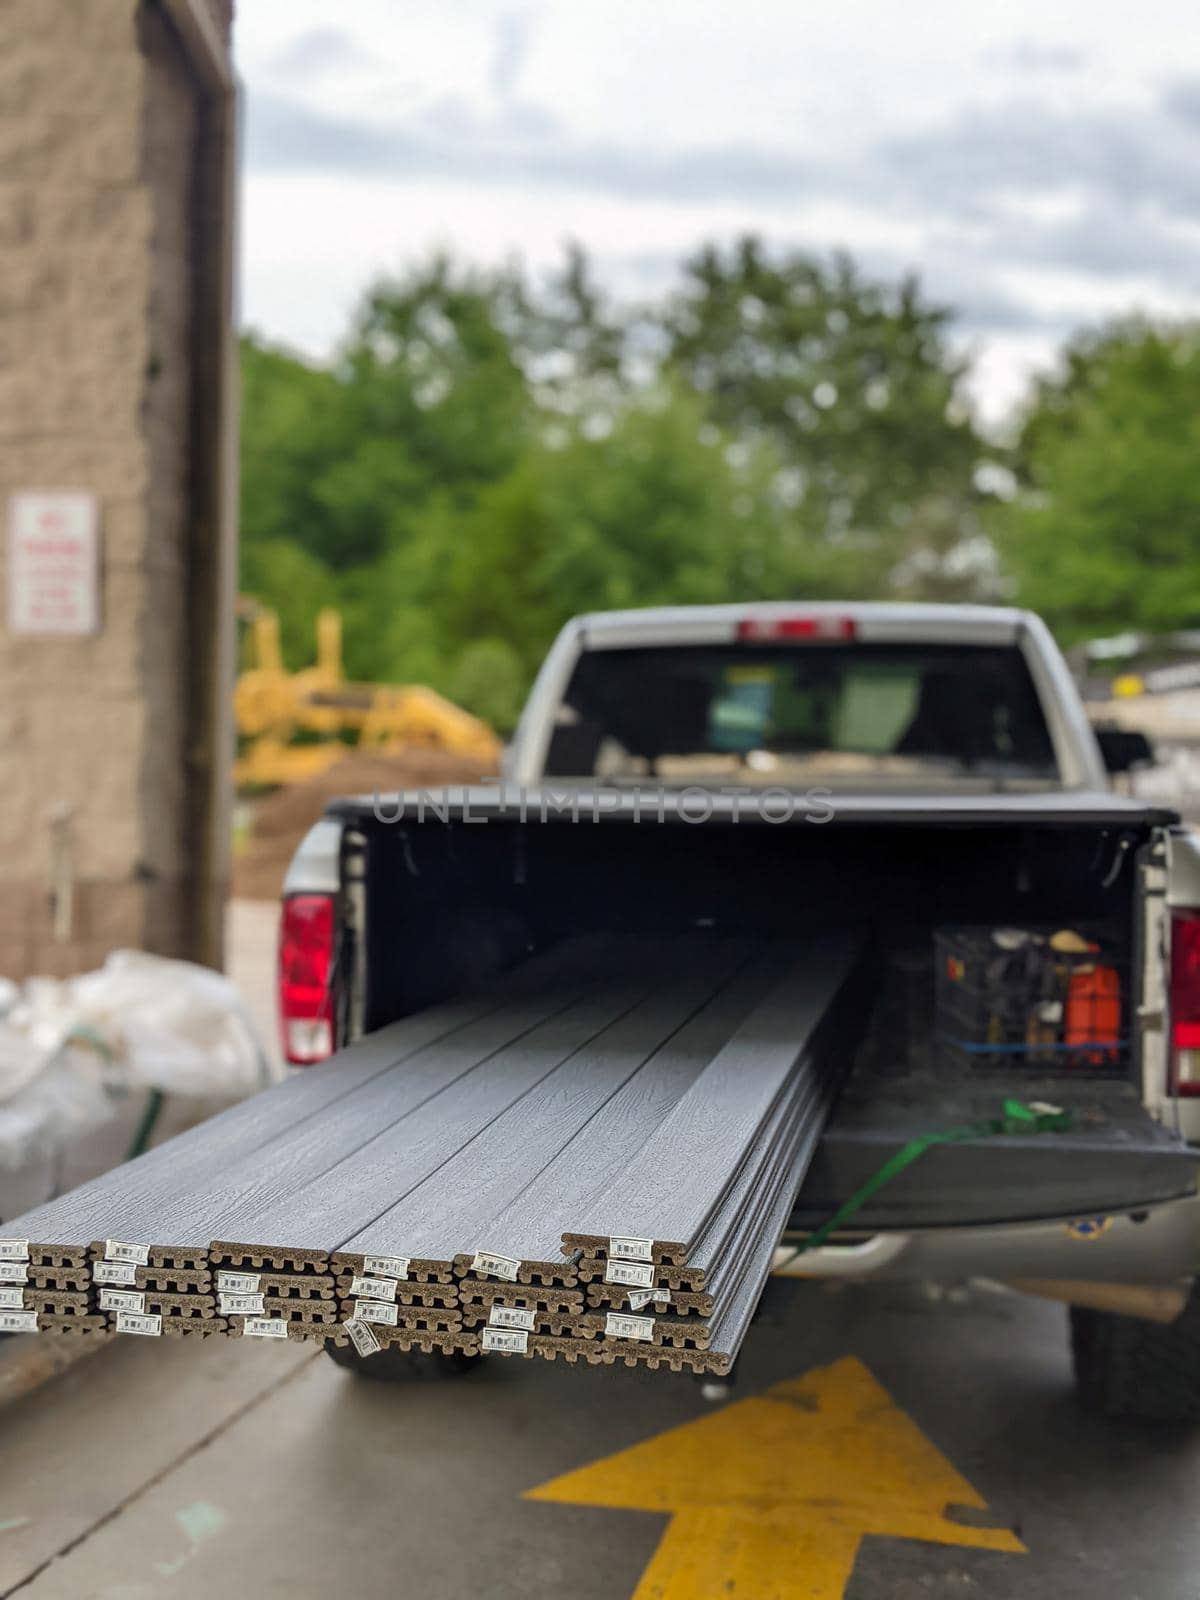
[771, 1497]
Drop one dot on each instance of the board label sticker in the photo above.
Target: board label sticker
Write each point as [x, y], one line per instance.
[118, 1250]
[265, 1328]
[374, 1288]
[241, 1305]
[634, 1274]
[376, 1311]
[14, 1272]
[14, 1249]
[494, 1266]
[18, 1322]
[627, 1249]
[12, 1299]
[511, 1317]
[619, 1326]
[362, 1337]
[122, 1300]
[134, 1322]
[506, 1341]
[238, 1282]
[386, 1266]
[642, 1297]
[114, 1272]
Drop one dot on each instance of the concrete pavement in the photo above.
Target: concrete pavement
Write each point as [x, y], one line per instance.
[225, 1469]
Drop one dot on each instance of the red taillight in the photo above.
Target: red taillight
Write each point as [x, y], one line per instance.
[305, 959]
[1185, 1002]
[817, 629]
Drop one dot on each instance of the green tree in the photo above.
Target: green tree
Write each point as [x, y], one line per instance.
[294, 428]
[487, 457]
[661, 507]
[856, 383]
[489, 680]
[1104, 533]
[431, 368]
[283, 575]
[569, 340]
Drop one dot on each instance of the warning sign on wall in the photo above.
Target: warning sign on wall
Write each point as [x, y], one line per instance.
[53, 564]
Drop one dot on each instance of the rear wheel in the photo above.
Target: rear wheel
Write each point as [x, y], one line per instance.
[391, 1365]
[1125, 1367]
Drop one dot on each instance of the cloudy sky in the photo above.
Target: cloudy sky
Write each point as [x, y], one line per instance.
[1039, 165]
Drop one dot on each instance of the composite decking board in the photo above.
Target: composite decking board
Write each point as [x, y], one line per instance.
[736, 1233]
[482, 1296]
[741, 1231]
[72, 1326]
[245, 1202]
[228, 1254]
[242, 1129]
[530, 1225]
[412, 1294]
[749, 1234]
[257, 1181]
[450, 1211]
[325, 1210]
[716, 1258]
[664, 1193]
[735, 1221]
[423, 1320]
[289, 1286]
[808, 1104]
[742, 1271]
[617, 1297]
[729, 1326]
[629, 1352]
[135, 1189]
[55, 1278]
[706, 1280]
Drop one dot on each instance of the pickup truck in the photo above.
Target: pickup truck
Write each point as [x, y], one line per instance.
[927, 771]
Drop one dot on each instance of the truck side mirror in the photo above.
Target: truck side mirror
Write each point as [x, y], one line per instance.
[1124, 750]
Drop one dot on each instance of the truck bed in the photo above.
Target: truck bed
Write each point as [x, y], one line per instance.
[442, 888]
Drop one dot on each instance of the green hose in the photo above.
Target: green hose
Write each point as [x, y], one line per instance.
[145, 1128]
[144, 1132]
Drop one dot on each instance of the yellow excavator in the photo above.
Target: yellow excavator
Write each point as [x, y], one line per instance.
[292, 725]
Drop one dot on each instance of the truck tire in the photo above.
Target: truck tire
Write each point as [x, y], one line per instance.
[1126, 1367]
[390, 1365]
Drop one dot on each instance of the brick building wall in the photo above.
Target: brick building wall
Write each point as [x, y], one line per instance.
[106, 131]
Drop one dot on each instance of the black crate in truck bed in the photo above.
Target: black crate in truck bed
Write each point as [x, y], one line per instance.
[1021, 999]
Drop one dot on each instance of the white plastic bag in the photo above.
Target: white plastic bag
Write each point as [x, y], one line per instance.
[140, 1022]
[168, 1025]
[66, 1100]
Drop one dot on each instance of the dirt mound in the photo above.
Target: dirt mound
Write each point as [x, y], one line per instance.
[280, 820]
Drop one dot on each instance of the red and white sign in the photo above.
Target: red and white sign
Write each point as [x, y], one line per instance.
[53, 564]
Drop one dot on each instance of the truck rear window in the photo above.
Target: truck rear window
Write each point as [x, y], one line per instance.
[785, 713]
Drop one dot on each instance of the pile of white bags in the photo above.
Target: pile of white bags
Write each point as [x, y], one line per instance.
[69, 1048]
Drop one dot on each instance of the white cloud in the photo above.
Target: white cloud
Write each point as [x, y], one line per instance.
[1037, 166]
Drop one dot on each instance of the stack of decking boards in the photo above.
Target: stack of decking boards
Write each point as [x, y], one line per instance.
[591, 1157]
